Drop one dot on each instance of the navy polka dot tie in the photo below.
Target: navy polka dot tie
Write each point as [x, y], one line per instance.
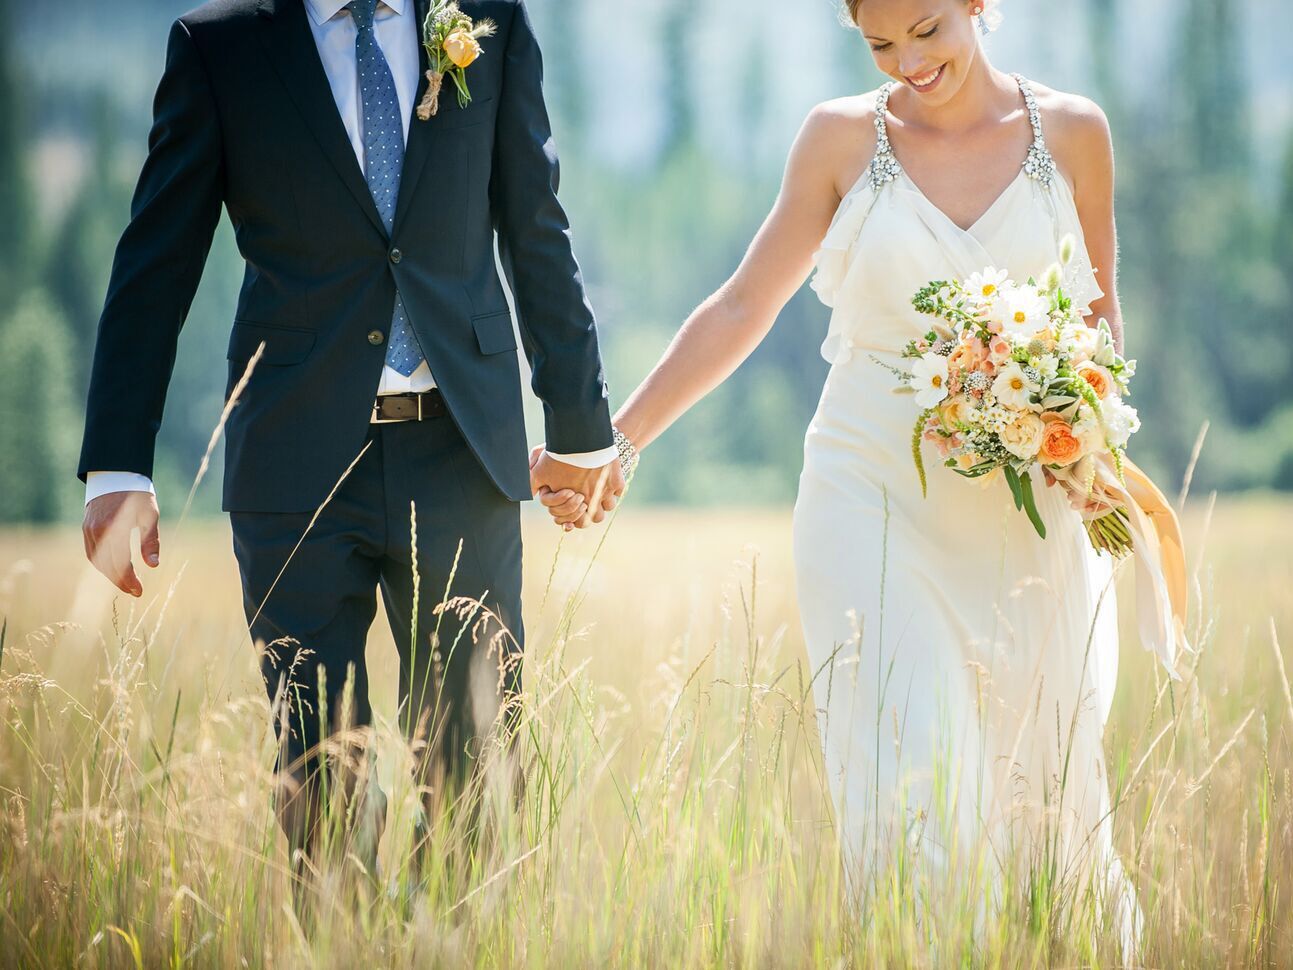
[383, 160]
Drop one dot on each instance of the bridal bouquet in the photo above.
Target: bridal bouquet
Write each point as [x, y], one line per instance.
[1010, 376]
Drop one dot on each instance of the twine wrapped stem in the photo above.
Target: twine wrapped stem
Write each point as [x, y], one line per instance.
[430, 102]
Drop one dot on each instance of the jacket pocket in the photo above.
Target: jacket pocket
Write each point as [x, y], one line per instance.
[494, 333]
[452, 115]
[283, 346]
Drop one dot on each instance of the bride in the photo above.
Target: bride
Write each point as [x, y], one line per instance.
[964, 666]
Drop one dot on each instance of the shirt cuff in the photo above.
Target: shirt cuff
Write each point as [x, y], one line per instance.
[589, 459]
[105, 483]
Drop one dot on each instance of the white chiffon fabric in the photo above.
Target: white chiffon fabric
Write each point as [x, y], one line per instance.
[964, 667]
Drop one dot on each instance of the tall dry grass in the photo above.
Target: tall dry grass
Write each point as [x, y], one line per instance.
[675, 813]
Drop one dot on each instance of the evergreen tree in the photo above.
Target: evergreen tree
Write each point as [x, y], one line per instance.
[80, 256]
[1211, 56]
[558, 26]
[679, 87]
[15, 191]
[39, 423]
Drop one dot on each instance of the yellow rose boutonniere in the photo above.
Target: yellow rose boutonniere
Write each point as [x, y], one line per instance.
[452, 42]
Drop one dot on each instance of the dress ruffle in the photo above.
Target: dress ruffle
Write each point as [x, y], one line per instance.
[1079, 275]
[832, 260]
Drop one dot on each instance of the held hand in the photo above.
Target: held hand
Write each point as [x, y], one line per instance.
[566, 506]
[109, 521]
[575, 496]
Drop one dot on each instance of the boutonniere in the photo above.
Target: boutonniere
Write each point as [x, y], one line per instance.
[452, 41]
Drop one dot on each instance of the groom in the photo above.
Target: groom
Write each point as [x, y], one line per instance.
[383, 380]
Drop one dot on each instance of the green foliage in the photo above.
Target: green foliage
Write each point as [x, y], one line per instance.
[15, 186]
[1206, 239]
[39, 417]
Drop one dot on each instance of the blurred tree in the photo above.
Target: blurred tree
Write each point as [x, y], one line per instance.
[679, 77]
[1211, 56]
[16, 223]
[558, 27]
[39, 423]
[80, 256]
[1102, 24]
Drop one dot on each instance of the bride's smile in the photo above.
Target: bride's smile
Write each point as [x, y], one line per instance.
[927, 82]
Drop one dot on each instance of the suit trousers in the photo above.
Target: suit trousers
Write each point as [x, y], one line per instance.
[310, 596]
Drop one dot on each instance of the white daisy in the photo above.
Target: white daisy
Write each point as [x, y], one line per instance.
[1014, 388]
[929, 379]
[1026, 311]
[986, 286]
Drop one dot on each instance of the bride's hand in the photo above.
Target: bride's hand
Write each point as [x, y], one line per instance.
[566, 506]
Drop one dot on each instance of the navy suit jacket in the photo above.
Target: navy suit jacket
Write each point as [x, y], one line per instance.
[244, 118]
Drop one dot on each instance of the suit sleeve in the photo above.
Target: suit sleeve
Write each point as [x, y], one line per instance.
[556, 321]
[158, 263]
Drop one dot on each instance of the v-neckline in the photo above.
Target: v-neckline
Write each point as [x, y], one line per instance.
[967, 230]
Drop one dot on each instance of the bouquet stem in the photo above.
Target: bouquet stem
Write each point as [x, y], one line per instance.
[1109, 533]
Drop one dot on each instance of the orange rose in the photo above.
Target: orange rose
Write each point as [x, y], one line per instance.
[1098, 377]
[1059, 445]
[461, 48]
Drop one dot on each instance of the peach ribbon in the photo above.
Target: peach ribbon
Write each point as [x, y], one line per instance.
[1162, 593]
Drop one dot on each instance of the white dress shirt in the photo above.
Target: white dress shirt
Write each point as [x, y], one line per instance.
[396, 28]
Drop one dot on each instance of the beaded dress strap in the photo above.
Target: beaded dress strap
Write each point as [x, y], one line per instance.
[884, 166]
[1039, 164]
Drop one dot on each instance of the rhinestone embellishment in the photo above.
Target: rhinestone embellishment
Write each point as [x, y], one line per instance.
[884, 166]
[1038, 165]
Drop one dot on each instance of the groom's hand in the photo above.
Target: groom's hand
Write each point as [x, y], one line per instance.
[109, 521]
[574, 496]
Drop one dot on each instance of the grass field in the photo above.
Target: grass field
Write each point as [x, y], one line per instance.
[676, 815]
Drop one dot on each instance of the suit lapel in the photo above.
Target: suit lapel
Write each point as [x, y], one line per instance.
[421, 133]
[289, 44]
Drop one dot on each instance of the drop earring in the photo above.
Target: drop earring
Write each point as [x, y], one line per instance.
[983, 23]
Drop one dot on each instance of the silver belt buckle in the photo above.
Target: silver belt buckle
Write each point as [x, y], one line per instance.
[374, 419]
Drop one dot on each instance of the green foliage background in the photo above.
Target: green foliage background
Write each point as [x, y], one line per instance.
[666, 181]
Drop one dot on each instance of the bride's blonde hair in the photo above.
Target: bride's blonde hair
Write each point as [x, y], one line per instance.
[991, 13]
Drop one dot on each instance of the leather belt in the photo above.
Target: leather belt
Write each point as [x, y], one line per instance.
[389, 408]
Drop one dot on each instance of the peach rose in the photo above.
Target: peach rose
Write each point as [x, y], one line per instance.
[964, 357]
[1098, 377]
[461, 48]
[956, 412]
[1060, 446]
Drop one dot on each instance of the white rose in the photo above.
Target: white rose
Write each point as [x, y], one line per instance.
[1120, 420]
[1089, 432]
[1023, 437]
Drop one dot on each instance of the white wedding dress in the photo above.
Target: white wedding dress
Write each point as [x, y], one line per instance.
[964, 666]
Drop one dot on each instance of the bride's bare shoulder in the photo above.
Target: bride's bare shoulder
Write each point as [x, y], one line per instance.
[1077, 132]
[842, 129]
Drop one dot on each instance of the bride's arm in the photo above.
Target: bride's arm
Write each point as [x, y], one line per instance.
[727, 326]
[1084, 147]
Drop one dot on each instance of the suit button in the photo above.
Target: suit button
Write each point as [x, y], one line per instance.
[396, 255]
[375, 337]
